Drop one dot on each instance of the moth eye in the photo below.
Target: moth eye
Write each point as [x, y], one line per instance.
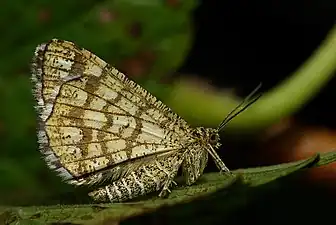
[213, 138]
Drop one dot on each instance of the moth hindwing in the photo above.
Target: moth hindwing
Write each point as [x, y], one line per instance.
[97, 127]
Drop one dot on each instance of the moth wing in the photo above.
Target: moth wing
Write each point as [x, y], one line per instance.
[92, 117]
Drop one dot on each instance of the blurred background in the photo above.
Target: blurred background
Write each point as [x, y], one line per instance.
[201, 58]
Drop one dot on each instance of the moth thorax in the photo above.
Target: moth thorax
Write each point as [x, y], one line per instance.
[208, 136]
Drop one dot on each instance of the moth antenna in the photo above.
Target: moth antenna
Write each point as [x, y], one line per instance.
[247, 101]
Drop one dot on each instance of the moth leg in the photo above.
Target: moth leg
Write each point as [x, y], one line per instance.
[165, 191]
[219, 163]
[171, 174]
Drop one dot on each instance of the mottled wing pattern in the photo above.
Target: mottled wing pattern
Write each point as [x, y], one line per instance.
[91, 117]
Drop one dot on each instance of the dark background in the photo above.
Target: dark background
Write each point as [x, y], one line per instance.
[240, 43]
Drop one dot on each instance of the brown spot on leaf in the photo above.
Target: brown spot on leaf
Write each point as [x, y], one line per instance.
[135, 30]
[133, 67]
[147, 56]
[44, 15]
[173, 3]
[138, 65]
[107, 16]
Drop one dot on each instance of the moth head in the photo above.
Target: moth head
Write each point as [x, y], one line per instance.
[213, 138]
[208, 136]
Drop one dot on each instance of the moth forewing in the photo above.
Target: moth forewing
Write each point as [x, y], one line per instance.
[94, 122]
[98, 118]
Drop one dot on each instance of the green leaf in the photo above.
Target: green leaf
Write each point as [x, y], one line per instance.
[209, 185]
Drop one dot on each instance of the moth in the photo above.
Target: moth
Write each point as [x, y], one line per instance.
[99, 128]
